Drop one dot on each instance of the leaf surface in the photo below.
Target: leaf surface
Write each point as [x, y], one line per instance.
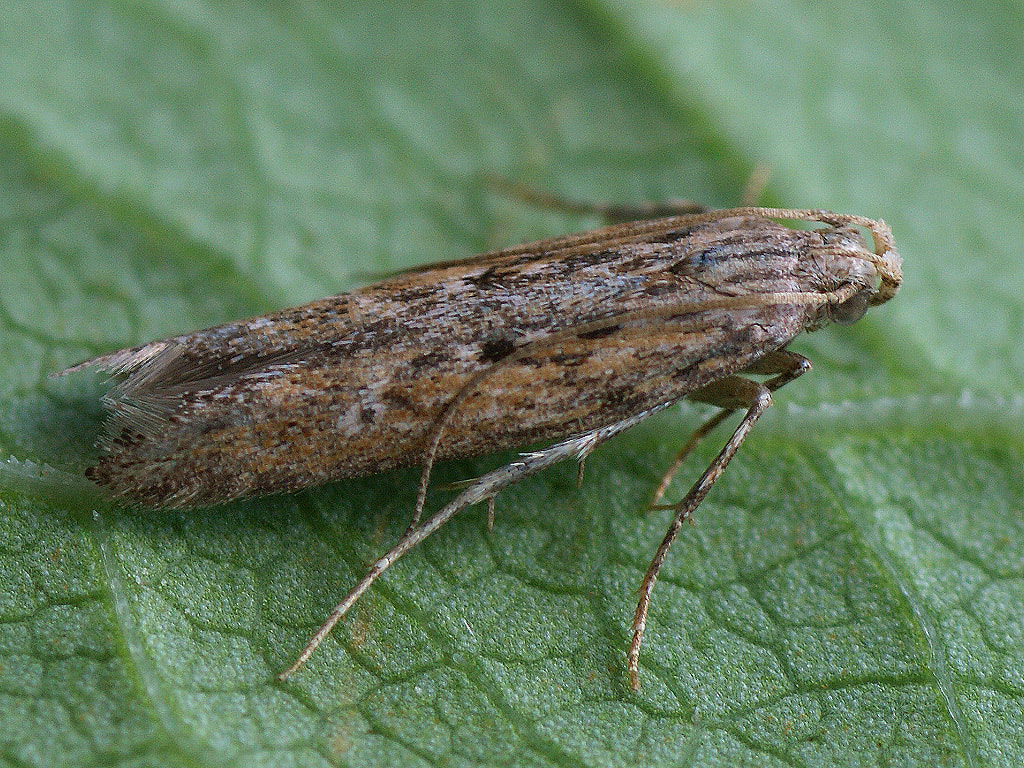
[852, 590]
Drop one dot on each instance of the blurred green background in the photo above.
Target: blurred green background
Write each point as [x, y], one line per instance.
[852, 590]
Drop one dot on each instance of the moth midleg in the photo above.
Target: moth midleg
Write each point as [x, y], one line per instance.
[728, 393]
[784, 364]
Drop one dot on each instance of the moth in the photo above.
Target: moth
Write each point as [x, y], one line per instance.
[573, 339]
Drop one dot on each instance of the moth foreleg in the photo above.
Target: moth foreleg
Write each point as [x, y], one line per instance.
[782, 365]
[729, 393]
[677, 461]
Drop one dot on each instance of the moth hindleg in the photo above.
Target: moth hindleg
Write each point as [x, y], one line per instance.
[483, 488]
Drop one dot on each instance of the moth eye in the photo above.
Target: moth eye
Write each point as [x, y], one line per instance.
[851, 310]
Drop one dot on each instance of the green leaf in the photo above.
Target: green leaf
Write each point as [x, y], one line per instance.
[851, 593]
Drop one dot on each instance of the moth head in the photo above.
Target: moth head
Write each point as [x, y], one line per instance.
[885, 262]
[875, 274]
[850, 274]
[863, 277]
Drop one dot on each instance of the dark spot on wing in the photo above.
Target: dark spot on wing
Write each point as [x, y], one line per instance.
[599, 333]
[670, 236]
[489, 278]
[427, 360]
[493, 350]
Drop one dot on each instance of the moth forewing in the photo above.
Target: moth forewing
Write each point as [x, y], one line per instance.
[572, 339]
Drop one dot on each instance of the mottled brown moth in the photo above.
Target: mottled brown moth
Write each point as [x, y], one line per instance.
[572, 339]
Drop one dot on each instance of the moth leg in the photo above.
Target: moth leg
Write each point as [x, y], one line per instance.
[611, 213]
[785, 366]
[458, 485]
[490, 513]
[755, 186]
[483, 488]
[782, 365]
[730, 393]
[677, 461]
